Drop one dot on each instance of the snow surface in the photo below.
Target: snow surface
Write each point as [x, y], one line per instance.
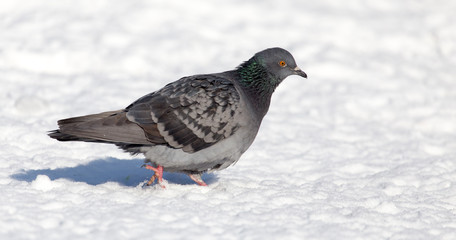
[363, 149]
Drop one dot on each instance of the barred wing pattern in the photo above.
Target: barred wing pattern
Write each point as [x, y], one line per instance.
[191, 114]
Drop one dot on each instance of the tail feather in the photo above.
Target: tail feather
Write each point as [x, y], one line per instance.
[107, 127]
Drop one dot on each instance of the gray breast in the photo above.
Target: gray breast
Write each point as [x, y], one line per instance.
[216, 157]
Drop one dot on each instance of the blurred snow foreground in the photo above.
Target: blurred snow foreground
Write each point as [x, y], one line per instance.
[363, 149]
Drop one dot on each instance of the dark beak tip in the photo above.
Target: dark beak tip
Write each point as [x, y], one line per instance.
[301, 73]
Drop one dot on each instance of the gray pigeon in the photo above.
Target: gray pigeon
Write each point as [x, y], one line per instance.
[196, 124]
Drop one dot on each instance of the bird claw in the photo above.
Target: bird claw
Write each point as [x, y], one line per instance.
[197, 178]
[151, 180]
[158, 174]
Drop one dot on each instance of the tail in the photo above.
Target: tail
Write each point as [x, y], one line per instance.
[107, 127]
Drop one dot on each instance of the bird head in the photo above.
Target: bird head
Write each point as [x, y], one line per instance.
[279, 63]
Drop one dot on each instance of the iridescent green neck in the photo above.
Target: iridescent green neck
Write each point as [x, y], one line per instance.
[258, 85]
[256, 79]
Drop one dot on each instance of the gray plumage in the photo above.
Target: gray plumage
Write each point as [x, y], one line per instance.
[195, 124]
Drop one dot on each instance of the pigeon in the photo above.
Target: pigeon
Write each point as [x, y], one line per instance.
[197, 124]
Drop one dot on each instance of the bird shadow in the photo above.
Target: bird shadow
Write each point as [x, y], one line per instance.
[124, 172]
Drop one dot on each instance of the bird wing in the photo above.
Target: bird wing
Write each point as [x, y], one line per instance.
[107, 127]
[192, 113]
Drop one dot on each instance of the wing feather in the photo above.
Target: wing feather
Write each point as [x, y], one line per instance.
[192, 113]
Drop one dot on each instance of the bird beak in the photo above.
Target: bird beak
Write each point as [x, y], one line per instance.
[299, 72]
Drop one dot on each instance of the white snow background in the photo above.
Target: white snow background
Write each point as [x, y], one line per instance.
[365, 148]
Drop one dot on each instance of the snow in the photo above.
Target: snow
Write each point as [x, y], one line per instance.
[363, 149]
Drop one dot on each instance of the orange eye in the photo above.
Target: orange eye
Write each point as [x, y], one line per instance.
[282, 63]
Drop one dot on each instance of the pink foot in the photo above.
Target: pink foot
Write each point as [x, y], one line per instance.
[197, 179]
[158, 174]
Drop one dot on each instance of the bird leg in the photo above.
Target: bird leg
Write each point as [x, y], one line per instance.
[158, 174]
[197, 179]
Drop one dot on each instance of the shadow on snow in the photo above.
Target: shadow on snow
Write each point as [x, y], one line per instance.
[124, 172]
